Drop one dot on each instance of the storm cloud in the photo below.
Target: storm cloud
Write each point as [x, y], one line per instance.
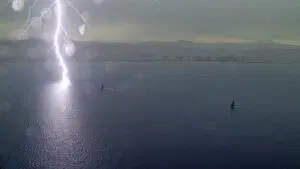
[197, 20]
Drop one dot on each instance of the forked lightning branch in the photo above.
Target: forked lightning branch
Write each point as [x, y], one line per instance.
[62, 46]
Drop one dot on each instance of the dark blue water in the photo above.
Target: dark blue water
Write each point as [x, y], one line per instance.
[151, 115]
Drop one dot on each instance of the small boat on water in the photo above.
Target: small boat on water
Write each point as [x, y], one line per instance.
[232, 106]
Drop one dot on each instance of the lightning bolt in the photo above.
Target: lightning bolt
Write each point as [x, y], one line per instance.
[58, 31]
[30, 10]
[76, 10]
[29, 21]
[61, 36]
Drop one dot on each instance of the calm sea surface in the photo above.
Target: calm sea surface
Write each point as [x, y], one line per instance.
[150, 116]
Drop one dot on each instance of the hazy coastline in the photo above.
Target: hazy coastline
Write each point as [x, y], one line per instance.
[34, 50]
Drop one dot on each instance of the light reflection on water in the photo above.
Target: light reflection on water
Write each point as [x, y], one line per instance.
[155, 121]
[59, 128]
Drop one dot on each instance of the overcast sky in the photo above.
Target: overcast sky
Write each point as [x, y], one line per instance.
[197, 20]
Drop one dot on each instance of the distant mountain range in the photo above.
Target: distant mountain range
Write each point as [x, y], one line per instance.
[260, 51]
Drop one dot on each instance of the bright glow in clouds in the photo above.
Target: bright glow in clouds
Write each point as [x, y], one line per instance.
[81, 29]
[56, 44]
[69, 48]
[18, 5]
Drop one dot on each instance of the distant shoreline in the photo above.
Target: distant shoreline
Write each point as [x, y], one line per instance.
[34, 50]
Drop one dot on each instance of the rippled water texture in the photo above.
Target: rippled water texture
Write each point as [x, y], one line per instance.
[150, 115]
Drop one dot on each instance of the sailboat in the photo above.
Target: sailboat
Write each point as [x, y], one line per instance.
[232, 106]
